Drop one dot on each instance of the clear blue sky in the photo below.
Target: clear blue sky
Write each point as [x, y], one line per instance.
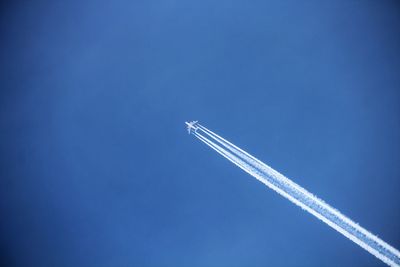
[97, 169]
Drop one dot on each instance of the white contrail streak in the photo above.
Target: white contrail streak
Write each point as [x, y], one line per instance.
[297, 195]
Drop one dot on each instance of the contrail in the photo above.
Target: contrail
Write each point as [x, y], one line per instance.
[296, 194]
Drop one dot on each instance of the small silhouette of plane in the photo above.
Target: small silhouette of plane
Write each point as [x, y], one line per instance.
[191, 126]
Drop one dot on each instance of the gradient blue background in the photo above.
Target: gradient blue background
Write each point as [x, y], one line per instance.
[97, 168]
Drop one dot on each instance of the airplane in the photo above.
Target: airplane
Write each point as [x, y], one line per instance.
[191, 126]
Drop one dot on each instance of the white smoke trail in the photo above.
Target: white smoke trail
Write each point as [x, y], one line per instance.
[299, 196]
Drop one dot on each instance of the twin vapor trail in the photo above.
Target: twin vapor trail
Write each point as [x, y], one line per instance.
[296, 194]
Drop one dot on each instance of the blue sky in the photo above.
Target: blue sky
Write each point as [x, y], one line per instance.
[97, 168]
